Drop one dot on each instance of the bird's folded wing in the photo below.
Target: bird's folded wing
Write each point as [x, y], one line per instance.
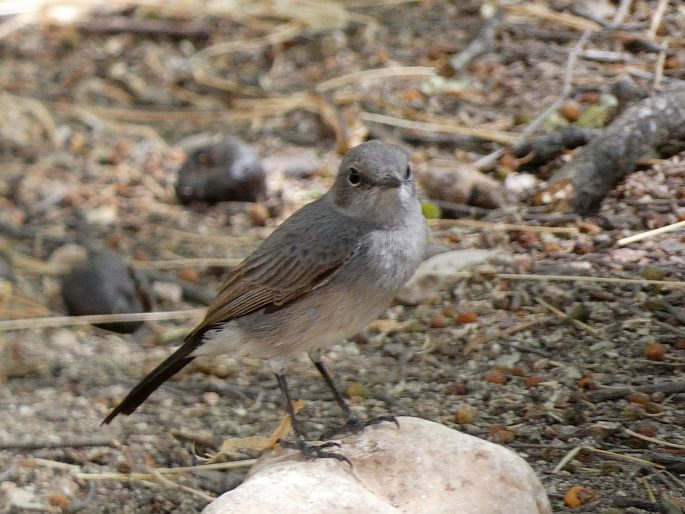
[242, 294]
[273, 278]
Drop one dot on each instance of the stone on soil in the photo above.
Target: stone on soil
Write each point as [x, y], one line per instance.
[421, 467]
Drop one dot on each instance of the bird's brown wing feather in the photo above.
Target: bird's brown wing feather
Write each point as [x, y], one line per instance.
[270, 280]
[259, 283]
[296, 258]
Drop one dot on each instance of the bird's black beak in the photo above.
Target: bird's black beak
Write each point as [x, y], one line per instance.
[390, 182]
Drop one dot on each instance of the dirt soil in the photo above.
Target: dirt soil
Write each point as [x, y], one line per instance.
[94, 126]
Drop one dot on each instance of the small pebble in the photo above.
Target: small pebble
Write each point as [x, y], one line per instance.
[168, 292]
[189, 275]
[211, 398]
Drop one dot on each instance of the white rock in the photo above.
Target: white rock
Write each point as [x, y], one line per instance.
[437, 272]
[422, 467]
[167, 292]
[520, 183]
[20, 498]
[103, 215]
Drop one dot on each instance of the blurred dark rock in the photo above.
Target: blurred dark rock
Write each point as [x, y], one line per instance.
[102, 284]
[227, 170]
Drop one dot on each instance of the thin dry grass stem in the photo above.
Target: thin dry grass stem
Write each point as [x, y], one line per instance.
[360, 4]
[502, 226]
[659, 66]
[650, 233]
[670, 364]
[542, 12]
[648, 489]
[62, 321]
[570, 455]
[477, 342]
[262, 108]
[195, 492]
[657, 17]
[439, 126]
[167, 471]
[357, 77]
[613, 455]
[621, 12]
[194, 263]
[282, 33]
[596, 280]
[494, 126]
[565, 316]
[626, 458]
[55, 464]
[315, 15]
[654, 440]
[182, 235]
[566, 88]
[562, 278]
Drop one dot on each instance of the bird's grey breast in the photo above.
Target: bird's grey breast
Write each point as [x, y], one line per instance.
[386, 257]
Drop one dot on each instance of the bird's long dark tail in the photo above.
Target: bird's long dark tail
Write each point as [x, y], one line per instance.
[172, 365]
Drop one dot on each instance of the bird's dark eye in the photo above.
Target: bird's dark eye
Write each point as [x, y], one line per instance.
[407, 172]
[354, 177]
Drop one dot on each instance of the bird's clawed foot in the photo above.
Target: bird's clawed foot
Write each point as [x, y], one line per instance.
[355, 425]
[315, 451]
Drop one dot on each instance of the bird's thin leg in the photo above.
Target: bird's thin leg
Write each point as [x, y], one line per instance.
[316, 359]
[308, 450]
[353, 423]
[283, 385]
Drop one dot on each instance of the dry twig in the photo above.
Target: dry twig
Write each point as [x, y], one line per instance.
[195, 492]
[565, 316]
[61, 321]
[167, 471]
[654, 440]
[566, 88]
[440, 126]
[596, 280]
[477, 342]
[621, 12]
[616, 393]
[202, 262]
[656, 18]
[357, 77]
[612, 455]
[72, 443]
[502, 226]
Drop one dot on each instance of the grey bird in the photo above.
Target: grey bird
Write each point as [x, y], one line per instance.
[323, 275]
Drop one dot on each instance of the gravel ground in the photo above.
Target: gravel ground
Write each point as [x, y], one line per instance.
[482, 354]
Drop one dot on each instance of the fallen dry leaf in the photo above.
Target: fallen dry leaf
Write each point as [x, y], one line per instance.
[229, 448]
